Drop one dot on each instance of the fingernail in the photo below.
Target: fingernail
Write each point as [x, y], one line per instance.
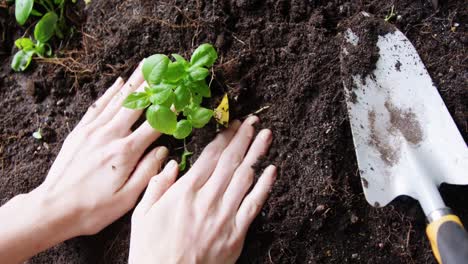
[265, 135]
[252, 120]
[162, 153]
[272, 168]
[171, 165]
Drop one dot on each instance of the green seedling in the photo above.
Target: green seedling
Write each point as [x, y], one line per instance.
[28, 47]
[52, 23]
[390, 15]
[37, 134]
[175, 91]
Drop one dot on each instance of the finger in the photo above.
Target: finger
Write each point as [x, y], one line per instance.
[230, 159]
[158, 185]
[97, 107]
[244, 175]
[116, 102]
[143, 136]
[149, 166]
[125, 117]
[254, 201]
[206, 163]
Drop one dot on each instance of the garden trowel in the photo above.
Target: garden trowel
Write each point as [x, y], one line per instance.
[405, 139]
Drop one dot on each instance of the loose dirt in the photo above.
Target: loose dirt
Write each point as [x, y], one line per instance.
[279, 56]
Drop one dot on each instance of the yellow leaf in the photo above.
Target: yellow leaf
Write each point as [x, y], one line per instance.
[221, 113]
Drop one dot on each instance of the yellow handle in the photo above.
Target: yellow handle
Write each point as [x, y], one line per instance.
[432, 232]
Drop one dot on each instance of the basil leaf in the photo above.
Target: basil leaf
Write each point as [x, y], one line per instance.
[175, 72]
[137, 101]
[204, 56]
[200, 116]
[34, 12]
[201, 88]
[197, 98]
[21, 60]
[199, 73]
[181, 60]
[182, 97]
[154, 68]
[161, 95]
[24, 44]
[183, 129]
[45, 28]
[162, 119]
[23, 9]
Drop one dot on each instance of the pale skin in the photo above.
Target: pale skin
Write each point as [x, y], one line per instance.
[101, 171]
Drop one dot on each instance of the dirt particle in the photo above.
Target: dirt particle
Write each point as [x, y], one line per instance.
[376, 204]
[365, 183]
[113, 167]
[398, 65]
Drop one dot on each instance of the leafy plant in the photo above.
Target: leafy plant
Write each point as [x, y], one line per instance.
[175, 91]
[52, 23]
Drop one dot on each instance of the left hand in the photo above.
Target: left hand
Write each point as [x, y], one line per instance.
[97, 177]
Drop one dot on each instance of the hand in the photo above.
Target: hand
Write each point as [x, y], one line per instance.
[204, 217]
[97, 177]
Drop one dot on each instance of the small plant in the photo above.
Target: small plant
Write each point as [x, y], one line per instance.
[176, 88]
[52, 23]
[390, 15]
[175, 92]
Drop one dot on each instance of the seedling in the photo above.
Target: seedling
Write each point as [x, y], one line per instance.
[175, 91]
[37, 134]
[52, 23]
[390, 15]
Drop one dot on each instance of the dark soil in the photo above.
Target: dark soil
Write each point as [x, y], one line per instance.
[279, 56]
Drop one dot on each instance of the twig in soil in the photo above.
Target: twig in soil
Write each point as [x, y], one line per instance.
[408, 235]
[238, 39]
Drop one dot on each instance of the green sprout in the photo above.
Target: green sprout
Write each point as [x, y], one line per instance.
[390, 15]
[52, 23]
[37, 134]
[175, 91]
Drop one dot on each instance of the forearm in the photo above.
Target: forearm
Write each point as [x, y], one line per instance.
[31, 223]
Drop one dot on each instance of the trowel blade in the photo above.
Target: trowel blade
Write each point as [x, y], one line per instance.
[404, 136]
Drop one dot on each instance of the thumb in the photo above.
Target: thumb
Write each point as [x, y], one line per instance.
[158, 185]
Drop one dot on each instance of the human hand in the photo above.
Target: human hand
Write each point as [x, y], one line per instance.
[204, 217]
[100, 173]
[97, 177]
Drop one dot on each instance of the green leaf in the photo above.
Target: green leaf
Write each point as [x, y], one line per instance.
[160, 95]
[162, 119]
[183, 129]
[200, 116]
[24, 44]
[196, 98]
[45, 28]
[23, 9]
[34, 12]
[175, 72]
[183, 160]
[182, 97]
[137, 101]
[204, 56]
[201, 88]
[199, 73]
[21, 60]
[154, 68]
[181, 60]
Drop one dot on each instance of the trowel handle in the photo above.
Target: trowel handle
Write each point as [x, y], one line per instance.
[449, 240]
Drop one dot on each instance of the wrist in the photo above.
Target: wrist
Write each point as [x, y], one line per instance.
[31, 223]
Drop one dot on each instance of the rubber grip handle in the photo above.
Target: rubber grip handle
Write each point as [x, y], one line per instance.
[449, 240]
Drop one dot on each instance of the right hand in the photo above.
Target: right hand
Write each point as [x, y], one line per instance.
[205, 215]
